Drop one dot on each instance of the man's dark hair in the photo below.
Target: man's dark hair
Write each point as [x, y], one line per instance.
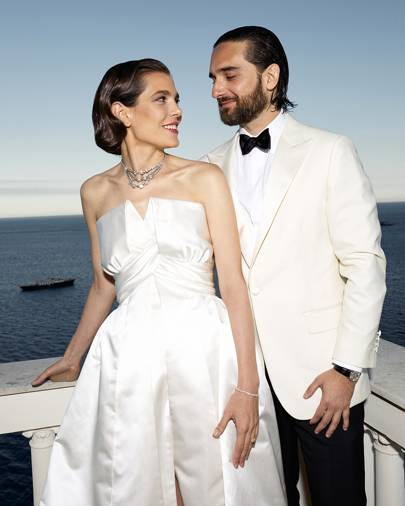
[264, 48]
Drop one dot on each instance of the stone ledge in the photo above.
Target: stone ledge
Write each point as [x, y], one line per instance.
[16, 377]
[388, 379]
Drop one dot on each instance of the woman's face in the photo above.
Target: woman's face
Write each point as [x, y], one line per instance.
[156, 115]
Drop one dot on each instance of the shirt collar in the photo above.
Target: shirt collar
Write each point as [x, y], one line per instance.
[275, 127]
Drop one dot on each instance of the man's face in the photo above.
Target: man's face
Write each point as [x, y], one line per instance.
[237, 85]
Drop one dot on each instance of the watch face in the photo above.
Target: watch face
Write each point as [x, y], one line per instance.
[354, 376]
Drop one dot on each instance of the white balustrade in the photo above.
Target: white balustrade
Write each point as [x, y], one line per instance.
[37, 413]
[369, 466]
[41, 442]
[389, 466]
[34, 412]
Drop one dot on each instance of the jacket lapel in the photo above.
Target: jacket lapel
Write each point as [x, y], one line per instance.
[291, 152]
[228, 162]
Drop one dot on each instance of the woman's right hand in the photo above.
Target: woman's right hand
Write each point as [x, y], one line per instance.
[243, 410]
[62, 370]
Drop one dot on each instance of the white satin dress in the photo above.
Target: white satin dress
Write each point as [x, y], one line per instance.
[157, 378]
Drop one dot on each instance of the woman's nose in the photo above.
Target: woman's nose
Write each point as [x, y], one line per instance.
[177, 111]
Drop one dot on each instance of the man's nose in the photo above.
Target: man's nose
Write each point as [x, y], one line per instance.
[217, 89]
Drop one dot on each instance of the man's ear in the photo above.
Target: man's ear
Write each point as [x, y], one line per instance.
[121, 112]
[271, 76]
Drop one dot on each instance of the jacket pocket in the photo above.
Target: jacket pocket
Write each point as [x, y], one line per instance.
[321, 320]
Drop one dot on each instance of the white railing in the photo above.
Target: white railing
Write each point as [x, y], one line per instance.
[37, 413]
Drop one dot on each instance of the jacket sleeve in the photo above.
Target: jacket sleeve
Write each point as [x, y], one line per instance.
[355, 234]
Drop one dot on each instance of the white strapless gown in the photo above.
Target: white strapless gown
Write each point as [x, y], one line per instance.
[157, 378]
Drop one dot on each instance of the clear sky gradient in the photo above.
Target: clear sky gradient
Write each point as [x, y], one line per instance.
[347, 74]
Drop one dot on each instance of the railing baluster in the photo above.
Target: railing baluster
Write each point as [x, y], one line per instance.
[369, 465]
[41, 442]
[389, 473]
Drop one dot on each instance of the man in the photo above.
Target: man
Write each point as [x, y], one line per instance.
[310, 241]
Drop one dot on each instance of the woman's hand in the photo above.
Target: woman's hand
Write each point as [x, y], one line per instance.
[243, 410]
[62, 370]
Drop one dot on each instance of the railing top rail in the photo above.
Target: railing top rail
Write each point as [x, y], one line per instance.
[16, 377]
[388, 379]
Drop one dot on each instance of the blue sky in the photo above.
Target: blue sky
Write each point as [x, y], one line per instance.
[347, 75]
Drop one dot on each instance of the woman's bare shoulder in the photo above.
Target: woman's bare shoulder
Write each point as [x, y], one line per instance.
[207, 174]
[197, 169]
[206, 181]
[188, 164]
[99, 184]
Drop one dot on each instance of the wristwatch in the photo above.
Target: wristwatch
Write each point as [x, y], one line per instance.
[351, 375]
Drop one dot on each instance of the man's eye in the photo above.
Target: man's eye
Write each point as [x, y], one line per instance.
[229, 78]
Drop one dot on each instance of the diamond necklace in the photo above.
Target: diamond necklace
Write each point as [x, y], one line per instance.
[141, 178]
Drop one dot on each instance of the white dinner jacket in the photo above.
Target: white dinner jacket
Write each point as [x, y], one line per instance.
[316, 277]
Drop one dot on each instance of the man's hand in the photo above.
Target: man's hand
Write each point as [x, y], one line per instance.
[337, 391]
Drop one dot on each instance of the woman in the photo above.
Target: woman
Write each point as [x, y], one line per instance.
[142, 426]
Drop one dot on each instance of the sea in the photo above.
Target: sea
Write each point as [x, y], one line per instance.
[39, 324]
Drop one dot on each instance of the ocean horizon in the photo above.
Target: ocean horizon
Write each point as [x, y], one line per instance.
[79, 214]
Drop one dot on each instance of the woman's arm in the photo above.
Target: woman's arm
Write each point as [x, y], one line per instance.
[97, 307]
[225, 238]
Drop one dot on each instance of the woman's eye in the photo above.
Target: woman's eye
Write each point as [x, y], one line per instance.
[161, 99]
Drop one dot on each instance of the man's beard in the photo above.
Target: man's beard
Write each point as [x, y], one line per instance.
[246, 108]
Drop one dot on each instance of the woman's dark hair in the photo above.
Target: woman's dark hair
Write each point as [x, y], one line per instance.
[264, 48]
[121, 83]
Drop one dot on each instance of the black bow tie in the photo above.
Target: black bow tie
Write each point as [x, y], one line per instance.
[262, 141]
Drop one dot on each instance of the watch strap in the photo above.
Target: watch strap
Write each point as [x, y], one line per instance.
[349, 373]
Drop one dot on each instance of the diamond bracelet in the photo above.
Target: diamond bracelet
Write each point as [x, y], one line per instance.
[247, 393]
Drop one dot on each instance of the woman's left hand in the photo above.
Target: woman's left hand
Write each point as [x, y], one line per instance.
[243, 410]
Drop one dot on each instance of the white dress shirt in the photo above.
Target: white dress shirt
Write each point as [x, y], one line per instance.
[251, 177]
[253, 170]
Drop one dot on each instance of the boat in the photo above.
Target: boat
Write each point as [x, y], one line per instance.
[48, 283]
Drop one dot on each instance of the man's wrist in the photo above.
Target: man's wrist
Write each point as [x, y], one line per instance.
[353, 376]
[347, 365]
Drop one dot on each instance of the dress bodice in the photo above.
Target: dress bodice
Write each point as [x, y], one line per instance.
[170, 247]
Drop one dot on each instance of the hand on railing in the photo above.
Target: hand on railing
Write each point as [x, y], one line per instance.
[62, 370]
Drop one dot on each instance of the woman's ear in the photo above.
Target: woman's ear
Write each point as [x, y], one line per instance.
[122, 113]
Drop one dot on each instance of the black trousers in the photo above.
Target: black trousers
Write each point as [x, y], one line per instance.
[334, 466]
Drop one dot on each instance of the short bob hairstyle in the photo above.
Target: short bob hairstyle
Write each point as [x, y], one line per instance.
[121, 83]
